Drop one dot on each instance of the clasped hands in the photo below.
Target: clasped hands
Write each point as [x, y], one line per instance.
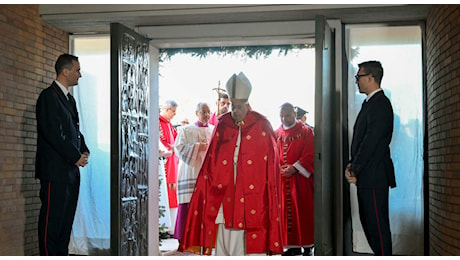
[83, 161]
[349, 175]
[287, 170]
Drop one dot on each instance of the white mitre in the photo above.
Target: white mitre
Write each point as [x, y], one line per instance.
[238, 87]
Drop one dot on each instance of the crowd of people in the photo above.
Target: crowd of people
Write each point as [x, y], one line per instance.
[239, 187]
[232, 185]
[248, 190]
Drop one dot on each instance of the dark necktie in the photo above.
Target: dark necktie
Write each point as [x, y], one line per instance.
[72, 102]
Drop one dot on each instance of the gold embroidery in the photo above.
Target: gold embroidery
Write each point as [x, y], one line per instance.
[240, 123]
[290, 138]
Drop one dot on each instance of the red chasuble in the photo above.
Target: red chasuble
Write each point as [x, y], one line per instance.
[297, 144]
[252, 203]
[167, 137]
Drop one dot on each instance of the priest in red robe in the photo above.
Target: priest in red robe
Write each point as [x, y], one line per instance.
[235, 206]
[168, 136]
[295, 142]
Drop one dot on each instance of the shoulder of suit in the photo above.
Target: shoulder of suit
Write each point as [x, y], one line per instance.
[50, 91]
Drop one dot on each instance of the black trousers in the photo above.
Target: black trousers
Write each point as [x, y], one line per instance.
[375, 219]
[59, 202]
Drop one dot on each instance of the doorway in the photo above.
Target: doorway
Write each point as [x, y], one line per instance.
[213, 83]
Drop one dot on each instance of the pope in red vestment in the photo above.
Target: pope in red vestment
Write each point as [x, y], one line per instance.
[247, 190]
[295, 143]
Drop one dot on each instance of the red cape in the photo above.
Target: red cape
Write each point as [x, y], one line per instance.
[252, 203]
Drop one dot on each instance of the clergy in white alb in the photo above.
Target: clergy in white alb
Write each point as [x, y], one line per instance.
[190, 146]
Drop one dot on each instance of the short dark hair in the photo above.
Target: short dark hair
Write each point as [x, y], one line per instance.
[223, 95]
[373, 68]
[64, 61]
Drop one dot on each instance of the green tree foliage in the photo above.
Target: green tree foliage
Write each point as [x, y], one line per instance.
[249, 51]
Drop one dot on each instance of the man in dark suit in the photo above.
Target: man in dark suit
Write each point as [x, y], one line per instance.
[371, 167]
[61, 149]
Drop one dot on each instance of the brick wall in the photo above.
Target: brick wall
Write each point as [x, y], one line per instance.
[28, 50]
[443, 120]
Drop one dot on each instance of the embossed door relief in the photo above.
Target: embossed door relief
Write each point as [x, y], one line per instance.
[130, 173]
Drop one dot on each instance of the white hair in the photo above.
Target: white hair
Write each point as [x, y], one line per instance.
[169, 104]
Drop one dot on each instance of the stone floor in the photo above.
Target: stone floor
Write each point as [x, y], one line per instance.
[169, 248]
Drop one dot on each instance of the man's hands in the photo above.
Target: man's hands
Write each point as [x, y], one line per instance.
[349, 175]
[287, 170]
[83, 161]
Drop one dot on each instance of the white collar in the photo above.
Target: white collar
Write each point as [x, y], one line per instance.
[372, 93]
[64, 89]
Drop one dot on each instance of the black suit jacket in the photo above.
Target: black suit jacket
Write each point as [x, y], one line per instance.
[370, 147]
[59, 142]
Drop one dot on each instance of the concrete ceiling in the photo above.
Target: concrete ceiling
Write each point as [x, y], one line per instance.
[148, 19]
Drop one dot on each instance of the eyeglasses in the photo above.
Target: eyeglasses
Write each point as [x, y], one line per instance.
[359, 76]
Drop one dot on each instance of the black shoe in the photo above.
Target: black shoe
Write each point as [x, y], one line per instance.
[164, 235]
[309, 251]
[292, 251]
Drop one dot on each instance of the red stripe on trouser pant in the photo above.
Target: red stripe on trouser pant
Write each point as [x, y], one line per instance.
[47, 216]
[378, 224]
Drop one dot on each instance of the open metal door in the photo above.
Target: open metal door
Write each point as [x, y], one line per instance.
[130, 135]
[325, 213]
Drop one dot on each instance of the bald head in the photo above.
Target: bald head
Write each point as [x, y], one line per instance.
[287, 114]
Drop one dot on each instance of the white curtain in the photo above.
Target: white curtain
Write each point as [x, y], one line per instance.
[91, 228]
[400, 52]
